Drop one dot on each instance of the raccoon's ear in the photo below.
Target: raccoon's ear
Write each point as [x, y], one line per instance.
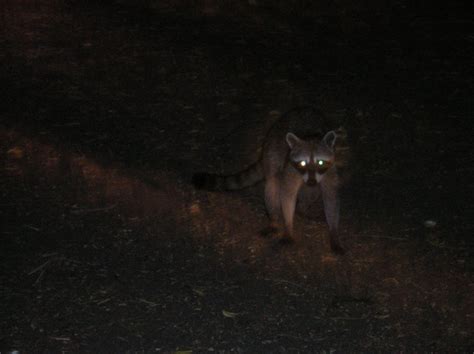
[330, 138]
[292, 140]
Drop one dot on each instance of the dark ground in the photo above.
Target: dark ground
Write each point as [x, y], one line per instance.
[105, 246]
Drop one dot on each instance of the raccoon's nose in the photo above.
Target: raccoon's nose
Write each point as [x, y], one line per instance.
[311, 182]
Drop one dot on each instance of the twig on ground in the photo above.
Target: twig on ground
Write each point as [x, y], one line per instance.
[40, 267]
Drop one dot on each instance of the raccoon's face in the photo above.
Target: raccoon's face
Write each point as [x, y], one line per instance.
[312, 158]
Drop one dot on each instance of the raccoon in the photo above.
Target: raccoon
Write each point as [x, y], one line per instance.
[298, 157]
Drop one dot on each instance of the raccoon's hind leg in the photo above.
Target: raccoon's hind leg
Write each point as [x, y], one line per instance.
[272, 203]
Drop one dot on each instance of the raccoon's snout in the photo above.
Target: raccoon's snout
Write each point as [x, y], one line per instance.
[311, 182]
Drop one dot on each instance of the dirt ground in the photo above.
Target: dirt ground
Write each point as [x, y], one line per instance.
[106, 112]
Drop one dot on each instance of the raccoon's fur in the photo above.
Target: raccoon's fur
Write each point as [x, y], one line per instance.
[298, 151]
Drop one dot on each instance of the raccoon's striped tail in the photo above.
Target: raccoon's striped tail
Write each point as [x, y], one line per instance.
[213, 182]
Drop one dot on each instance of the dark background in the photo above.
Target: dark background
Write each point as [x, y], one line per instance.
[108, 108]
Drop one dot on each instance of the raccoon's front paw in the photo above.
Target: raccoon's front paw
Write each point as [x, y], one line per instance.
[282, 243]
[269, 231]
[337, 249]
[286, 240]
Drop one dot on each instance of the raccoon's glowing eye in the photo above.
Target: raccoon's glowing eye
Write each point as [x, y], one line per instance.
[302, 163]
[320, 162]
